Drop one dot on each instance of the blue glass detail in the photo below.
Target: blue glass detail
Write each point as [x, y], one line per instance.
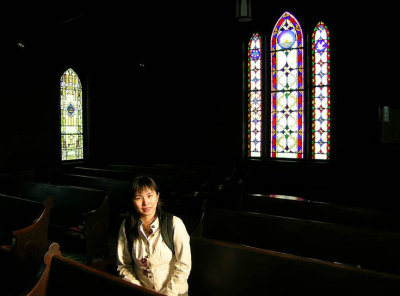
[320, 46]
[255, 54]
[286, 39]
[256, 80]
[70, 110]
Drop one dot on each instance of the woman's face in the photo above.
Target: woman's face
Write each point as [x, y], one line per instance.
[145, 202]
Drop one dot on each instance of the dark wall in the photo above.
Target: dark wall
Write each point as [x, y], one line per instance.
[173, 88]
[163, 82]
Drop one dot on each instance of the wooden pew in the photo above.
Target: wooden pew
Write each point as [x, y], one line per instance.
[292, 206]
[65, 277]
[169, 184]
[79, 215]
[221, 268]
[189, 207]
[102, 172]
[227, 194]
[171, 178]
[118, 192]
[358, 246]
[194, 177]
[27, 223]
[185, 203]
[201, 178]
[285, 177]
[153, 168]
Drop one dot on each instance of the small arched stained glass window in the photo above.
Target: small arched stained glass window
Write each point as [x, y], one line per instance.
[71, 116]
[321, 92]
[254, 81]
[287, 89]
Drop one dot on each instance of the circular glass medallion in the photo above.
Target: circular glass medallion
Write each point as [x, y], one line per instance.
[286, 39]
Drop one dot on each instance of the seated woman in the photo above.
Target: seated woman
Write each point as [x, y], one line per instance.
[145, 255]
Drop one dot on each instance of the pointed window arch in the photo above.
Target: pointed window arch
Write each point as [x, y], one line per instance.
[321, 90]
[287, 89]
[254, 79]
[71, 116]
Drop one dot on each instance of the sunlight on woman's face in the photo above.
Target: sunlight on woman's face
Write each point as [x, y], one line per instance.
[145, 202]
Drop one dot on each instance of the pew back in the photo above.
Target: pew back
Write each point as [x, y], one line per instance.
[69, 202]
[63, 276]
[220, 268]
[167, 183]
[170, 178]
[71, 278]
[102, 172]
[291, 206]
[358, 246]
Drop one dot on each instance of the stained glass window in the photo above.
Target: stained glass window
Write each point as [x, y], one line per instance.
[320, 92]
[254, 96]
[287, 89]
[71, 116]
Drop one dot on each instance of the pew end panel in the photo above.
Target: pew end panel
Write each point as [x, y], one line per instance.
[96, 231]
[26, 222]
[32, 241]
[40, 288]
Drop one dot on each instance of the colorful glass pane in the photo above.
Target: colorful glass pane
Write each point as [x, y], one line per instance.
[71, 116]
[254, 96]
[320, 92]
[287, 93]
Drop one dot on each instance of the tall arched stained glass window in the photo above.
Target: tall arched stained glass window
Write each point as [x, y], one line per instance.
[287, 89]
[254, 65]
[320, 92]
[71, 116]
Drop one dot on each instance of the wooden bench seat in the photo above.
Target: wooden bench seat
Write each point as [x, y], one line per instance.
[65, 277]
[359, 246]
[292, 206]
[79, 215]
[221, 268]
[25, 223]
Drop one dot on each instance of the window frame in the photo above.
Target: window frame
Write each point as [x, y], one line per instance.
[84, 119]
[265, 35]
